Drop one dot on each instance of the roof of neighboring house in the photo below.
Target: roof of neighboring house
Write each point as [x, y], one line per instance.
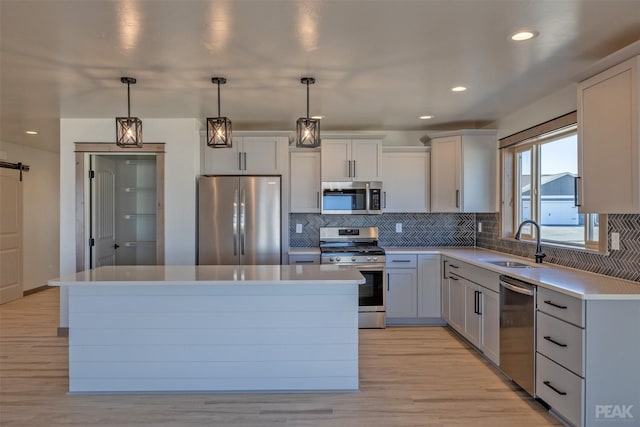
[545, 179]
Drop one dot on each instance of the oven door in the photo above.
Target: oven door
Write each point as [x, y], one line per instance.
[372, 295]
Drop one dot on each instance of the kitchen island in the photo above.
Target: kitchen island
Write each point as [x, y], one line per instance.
[213, 328]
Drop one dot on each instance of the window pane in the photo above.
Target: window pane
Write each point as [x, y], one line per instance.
[524, 189]
[559, 217]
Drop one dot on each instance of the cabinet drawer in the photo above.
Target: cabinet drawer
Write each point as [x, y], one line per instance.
[482, 277]
[560, 342]
[561, 306]
[401, 261]
[560, 388]
[453, 266]
[304, 259]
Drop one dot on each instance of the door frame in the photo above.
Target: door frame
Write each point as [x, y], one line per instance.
[83, 150]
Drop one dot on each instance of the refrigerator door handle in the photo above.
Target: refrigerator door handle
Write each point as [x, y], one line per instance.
[235, 222]
[242, 223]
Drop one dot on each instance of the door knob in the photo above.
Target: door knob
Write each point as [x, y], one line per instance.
[116, 246]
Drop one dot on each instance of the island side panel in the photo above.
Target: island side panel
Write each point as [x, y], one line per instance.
[213, 338]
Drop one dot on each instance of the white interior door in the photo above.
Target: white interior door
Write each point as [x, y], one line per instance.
[10, 235]
[103, 229]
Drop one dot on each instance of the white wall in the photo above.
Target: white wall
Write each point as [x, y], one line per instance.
[182, 161]
[40, 215]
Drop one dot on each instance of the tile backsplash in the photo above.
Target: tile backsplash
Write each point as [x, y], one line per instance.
[623, 263]
[417, 229]
[440, 229]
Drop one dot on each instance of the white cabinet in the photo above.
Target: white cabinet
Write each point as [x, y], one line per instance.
[609, 140]
[413, 289]
[263, 155]
[429, 286]
[463, 172]
[402, 286]
[474, 305]
[350, 159]
[305, 181]
[405, 178]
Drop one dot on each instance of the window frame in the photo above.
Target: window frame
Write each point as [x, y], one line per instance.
[510, 150]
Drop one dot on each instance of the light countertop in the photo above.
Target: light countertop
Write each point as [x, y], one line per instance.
[576, 283]
[214, 275]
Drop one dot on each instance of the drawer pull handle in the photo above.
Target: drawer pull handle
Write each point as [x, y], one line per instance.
[562, 307]
[559, 344]
[310, 261]
[453, 278]
[453, 266]
[400, 260]
[548, 384]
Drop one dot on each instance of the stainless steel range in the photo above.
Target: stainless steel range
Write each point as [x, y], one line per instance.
[357, 247]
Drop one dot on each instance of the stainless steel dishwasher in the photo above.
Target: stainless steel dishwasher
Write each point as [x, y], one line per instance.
[517, 332]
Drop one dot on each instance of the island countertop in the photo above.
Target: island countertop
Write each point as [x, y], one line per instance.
[213, 275]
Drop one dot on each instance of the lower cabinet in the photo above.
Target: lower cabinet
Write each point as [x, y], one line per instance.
[473, 304]
[413, 289]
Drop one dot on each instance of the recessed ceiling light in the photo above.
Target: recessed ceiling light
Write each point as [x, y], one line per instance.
[458, 89]
[426, 117]
[523, 35]
[31, 132]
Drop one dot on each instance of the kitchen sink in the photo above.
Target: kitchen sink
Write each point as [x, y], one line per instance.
[510, 264]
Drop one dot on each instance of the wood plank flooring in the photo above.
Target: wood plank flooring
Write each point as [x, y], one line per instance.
[422, 376]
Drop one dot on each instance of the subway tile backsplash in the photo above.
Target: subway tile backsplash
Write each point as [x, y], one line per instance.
[440, 229]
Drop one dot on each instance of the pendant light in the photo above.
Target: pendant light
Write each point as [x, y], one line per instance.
[219, 128]
[307, 129]
[128, 129]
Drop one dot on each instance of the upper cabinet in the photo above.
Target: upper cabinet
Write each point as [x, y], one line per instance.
[609, 142]
[405, 177]
[250, 154]
[305, 180]
[350, 159]
[463, 172]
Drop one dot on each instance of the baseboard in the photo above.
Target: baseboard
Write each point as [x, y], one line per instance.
[35, 290]
[63, 332]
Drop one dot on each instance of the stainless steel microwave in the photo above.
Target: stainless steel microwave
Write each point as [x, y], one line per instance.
[351, 197]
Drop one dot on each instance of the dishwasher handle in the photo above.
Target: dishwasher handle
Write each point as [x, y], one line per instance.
[518, 289]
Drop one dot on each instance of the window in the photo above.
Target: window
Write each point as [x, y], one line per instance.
[539, 177]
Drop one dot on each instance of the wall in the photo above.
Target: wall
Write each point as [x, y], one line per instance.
[41, 190]
[624, 263]
[417, 229]
[182, 140]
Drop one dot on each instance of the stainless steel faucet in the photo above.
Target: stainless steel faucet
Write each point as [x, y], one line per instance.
[539, 254]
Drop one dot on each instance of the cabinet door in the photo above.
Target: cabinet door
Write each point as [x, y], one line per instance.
[305, 181]
[223, 161]
[261, 155]
[335, 160]
[445, 174]
[429, 300]
[401, 292]
[365, 159]
[298, 259]
[609, 141]
[404, 181]
[472, 319]
[456, 303]
[490, 309]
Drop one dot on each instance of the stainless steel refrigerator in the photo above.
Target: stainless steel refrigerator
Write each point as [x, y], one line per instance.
[239, 220]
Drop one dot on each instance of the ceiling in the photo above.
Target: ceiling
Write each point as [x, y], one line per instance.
[379, 64]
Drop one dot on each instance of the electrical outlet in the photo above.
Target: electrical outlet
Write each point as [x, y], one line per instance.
[479, 227]
[615, 241]
[398, 227]
[298, 228]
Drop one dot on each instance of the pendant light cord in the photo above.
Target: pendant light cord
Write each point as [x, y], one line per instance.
[219, 99]
[307, 99]
[128, 101]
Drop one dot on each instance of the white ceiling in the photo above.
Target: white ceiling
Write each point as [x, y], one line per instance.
[379, 64]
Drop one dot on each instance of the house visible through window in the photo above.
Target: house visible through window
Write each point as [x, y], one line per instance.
[544, 169]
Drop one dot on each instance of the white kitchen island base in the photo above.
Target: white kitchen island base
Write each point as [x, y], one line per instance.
[224, 329]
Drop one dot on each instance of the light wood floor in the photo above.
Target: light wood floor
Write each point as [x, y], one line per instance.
[422, 376]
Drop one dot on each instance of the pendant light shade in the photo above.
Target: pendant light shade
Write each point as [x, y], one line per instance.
[307, 129]
[219, 128]
[128, 129]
